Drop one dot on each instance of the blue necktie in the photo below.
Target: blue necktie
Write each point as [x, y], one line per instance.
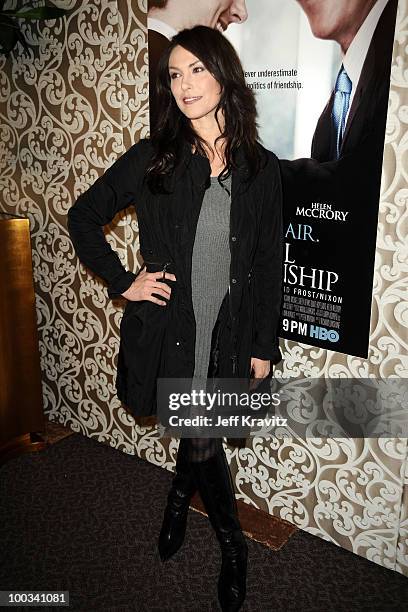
[341, 103]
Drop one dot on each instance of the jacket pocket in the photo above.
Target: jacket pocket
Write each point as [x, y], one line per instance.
[135, 308]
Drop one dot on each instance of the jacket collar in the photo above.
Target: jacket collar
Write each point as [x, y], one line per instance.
[201, 169]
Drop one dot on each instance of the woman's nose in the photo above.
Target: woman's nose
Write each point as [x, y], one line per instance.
[185, 83]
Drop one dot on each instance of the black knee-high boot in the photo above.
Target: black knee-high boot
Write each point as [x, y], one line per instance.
[178, 500]
[215, 486]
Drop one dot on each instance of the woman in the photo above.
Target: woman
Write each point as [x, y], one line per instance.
[208, 202]
[167, 17]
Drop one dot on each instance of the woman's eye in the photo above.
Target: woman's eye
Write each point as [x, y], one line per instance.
[198, 68]
[173, 75]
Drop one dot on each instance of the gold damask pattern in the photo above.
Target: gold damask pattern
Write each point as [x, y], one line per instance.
[67, 112]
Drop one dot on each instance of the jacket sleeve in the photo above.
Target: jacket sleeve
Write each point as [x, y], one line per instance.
[116, 189]
[267, 268]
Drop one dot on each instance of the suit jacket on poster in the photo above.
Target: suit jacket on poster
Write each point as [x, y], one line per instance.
[160, 340]
[363, 138]
[157, 44]
[368, 111]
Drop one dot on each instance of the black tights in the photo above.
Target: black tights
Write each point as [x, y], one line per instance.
[201, 449]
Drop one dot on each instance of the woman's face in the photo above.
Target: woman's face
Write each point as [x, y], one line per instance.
[195, 90]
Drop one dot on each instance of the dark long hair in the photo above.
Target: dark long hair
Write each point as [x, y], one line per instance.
[174, 130]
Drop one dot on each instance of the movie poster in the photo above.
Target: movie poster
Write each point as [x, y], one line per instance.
[322, 87]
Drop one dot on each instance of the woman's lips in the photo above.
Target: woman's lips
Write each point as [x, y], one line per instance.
[191, 99]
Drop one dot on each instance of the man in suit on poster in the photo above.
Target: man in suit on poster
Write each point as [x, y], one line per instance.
[344, 169]
[352, 125]
[167, 17]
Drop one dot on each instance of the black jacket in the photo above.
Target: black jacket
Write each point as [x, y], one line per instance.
[159, 341]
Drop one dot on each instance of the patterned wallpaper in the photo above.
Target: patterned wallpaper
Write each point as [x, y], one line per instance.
[66, 113]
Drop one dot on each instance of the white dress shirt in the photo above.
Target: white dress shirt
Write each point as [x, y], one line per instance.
[355, 56]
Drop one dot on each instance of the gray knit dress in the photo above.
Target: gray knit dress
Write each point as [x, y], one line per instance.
[210, 269]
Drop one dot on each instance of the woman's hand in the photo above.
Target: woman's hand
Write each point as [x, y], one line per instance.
[147, 283]
[260, 367]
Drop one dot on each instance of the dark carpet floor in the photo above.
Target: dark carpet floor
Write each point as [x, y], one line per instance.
[84, 518]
